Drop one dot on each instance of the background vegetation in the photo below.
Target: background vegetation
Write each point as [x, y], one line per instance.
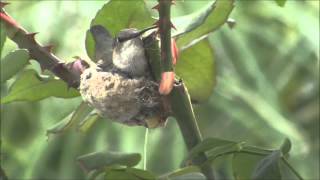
[267, 88]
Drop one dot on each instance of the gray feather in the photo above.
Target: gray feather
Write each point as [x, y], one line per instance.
[103, 44]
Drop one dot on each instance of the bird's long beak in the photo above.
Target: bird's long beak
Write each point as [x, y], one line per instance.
[134, 35]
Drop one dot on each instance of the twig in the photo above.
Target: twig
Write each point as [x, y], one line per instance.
[40, 53]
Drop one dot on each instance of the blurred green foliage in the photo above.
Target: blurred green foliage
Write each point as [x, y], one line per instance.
[267, 89]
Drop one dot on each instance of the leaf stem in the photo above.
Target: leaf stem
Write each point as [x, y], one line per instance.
[291, 168]
[145, 148]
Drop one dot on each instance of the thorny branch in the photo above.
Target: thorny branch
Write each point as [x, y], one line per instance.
[41, 54]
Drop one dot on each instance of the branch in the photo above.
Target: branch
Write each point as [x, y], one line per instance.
[183, 113]
[42, 54]
[165, 35]
[179, 96]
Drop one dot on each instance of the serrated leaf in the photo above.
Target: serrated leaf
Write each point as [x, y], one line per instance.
[281, 2]
[116, 15]
[13, 62]
[196, 67]
[203, 21]
[82, 111]
[88, 122]
[31, 87]
[98, 160]
[268, 167]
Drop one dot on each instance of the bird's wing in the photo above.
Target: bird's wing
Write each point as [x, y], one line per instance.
[103, 44]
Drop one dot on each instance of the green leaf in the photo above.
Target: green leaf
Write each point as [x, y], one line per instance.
[30, 87]
[268, 167]
[82, 111]
[281, 2]
[286, 146]
[88, 122]
[203, 21]
[3, 37]
[121, 175]
[190, 176]
[142, 174]
[116, 15]
[98, 160]
[181, 172]
[196, 67]
[224, 150]
[243, 165]
[12, 63]
[206, 145]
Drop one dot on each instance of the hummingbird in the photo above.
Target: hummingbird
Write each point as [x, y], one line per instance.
[125, 52]
[120, 87]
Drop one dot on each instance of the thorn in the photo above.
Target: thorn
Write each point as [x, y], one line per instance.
[156, 23]
[172, 26]
[3, 4]
[48, 48]
[32, 35]
[156, 7]
[42, 68]
[231, 23]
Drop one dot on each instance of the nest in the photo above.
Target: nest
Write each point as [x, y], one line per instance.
[127, 100]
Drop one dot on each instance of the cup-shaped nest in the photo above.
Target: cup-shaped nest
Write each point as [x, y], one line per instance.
[127, 100]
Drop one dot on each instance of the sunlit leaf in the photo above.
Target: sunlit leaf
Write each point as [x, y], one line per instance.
[12, 63]
[268, 167]
[196, 67]
[30, 87]
[81, 113]
[98, 160]
[281, 2]
[116, 15]
[203, 21]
